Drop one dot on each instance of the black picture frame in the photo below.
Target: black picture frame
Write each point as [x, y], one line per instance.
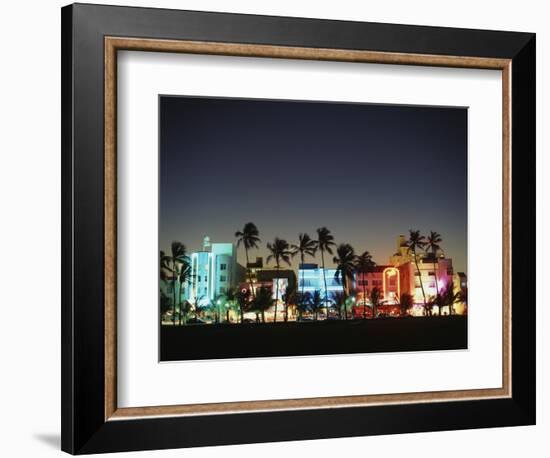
[84, 427]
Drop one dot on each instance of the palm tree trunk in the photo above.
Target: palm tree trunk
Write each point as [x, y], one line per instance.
[324, 276]
[364, 299]
[420, 278]
[302, 285]
[345, 287]
[179, 300]
[436, 266]
[174, 292]
[248, 272]
[303, 280]
[276, 294]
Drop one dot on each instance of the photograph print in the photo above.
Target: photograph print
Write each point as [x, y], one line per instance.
[299, 228]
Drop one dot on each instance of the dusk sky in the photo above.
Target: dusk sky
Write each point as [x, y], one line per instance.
[367, 172]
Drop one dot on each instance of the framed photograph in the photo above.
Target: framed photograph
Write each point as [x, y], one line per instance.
[271, 222]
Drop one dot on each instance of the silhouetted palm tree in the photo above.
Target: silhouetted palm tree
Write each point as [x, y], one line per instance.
[405, 303]
[449, 297]
[432, 245]
[306, 247]
[365, 265]
[302, 303]
[316, 303]
[262, 301]
[339, 301]
[417, 242]
[185, 276]
[164, 305]
[231, 304]
[431, 302]
[185, 308]
[242, 297]
[173, 264]
[346, 264]
[463, 295]
[325, 242]
[289, 296]
[375, 300]
[279, 251]
[199, 309]
[249, 237]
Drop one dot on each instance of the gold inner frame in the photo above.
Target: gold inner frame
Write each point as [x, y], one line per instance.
[114, 44]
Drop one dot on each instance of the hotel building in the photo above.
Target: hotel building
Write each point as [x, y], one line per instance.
[429, 266]
[263, 277]
[310, 279]
[214, 270]
[384, 277]
[402, 276]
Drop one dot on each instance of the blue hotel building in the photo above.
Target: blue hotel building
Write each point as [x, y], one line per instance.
[310, 279]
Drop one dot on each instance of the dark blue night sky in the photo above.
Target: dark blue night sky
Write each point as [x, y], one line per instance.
[367, 172]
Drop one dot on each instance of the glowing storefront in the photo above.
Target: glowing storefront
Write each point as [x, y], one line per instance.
[310, 279]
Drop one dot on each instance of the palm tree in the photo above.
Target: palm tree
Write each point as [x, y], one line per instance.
[185, 276]
[288, 297]
[405, 303]
[164, 305]
[375, 300]
[302, 303]
[262, 301]
[306, 247]
[417, 242]
[185, 309]
[449, 297]
[316, 303]
[365, 264]
[325, 242]
[346, 264]
[279, 251]
[172, 264]
[432, 245]
[199, 309]
[431, 302]
[339, 300]
[249, 237]
[231, 304]
[242, 297]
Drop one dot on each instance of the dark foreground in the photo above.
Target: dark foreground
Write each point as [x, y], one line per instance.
[312, 338]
